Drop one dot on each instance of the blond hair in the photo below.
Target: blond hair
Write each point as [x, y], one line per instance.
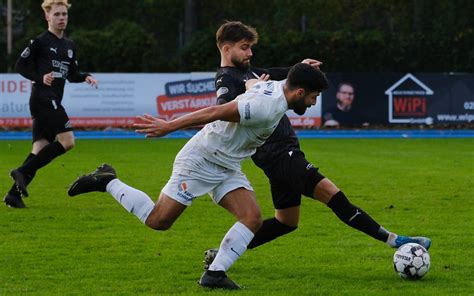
[47, 4]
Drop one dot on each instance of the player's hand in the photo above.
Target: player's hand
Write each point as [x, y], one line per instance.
[249, 83]
[151, 126]
[264, 77]
[313, 63]
[92, 81]
[48, 79]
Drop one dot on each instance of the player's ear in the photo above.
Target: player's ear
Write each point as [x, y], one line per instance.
[226, 47]
[300, 92]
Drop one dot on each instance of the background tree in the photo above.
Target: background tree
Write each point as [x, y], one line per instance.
[348, 35]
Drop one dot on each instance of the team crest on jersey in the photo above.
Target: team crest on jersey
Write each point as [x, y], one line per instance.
[69, 53]
[222, 91]
[25, 53]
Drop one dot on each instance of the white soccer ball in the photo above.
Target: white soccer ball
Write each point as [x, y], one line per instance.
[411, 261]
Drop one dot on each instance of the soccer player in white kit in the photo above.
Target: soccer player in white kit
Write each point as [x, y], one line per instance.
[211, 162]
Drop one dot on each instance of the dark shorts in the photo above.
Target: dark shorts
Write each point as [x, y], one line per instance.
[49, 120]
[292, 176]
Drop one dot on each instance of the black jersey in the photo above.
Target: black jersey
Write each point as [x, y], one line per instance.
[230, 82]
[45, 54]
[344, 118]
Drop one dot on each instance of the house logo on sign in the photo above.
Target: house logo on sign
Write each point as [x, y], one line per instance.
[407, 101]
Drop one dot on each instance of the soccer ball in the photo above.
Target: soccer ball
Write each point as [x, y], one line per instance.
[411, 261]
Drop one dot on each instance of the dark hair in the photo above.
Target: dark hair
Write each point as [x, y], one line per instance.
[233, 32]
[305, 76]
[345, 83]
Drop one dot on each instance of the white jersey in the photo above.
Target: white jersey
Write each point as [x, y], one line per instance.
[229, 143]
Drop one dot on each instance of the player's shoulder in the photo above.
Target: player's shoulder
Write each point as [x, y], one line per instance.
[229, 73]
[271, 88]
[266, 91]
[68, 41]
[228, 76]
[272, 93]
[258, 71]
[41, 38]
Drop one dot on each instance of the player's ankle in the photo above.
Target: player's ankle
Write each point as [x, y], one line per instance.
[392, 239]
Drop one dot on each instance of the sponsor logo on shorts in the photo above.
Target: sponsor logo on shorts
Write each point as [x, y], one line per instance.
[183, 186]
[68, 124]
[309, 166]
[184, 193]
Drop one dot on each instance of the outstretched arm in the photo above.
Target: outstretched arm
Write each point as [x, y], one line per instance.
[156, 127]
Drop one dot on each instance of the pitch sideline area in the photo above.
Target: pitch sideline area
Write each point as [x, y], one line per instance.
[306, 134]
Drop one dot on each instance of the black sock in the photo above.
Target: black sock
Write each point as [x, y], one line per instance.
[45, 156]
[271, 229]
[355, 217]
[28, 178]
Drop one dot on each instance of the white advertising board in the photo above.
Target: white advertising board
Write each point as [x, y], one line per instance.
[120, 97]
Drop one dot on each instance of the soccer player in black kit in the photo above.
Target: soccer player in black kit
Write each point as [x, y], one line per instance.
[48, 61]
[281, 159]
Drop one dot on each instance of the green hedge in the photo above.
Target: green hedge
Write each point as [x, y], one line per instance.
[356, 35]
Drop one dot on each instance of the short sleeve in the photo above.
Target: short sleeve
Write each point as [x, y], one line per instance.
[227, 89]
[253, 112]
[26, 63]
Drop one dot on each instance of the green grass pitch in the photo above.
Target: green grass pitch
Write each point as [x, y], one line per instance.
[89, 245]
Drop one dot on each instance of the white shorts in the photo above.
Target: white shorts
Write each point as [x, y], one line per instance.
[194, 176]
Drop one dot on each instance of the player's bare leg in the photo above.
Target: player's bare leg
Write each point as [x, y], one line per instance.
[165, 213]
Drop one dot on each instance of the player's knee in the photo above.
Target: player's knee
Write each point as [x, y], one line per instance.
[68, 145]
[289, 217]
[159, 224]
[252, 220]
[325, 190]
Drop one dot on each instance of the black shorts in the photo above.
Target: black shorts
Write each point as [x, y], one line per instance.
[292, 176]
[49, 119]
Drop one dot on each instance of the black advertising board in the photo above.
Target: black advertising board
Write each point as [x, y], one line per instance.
[358, 99]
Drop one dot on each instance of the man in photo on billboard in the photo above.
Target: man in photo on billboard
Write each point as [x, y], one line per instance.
[342, 114]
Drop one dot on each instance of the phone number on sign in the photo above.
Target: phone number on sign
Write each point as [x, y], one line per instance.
[468, 105]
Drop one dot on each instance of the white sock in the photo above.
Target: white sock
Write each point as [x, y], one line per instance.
[391, 239]
[133, 200]
[232, 247]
